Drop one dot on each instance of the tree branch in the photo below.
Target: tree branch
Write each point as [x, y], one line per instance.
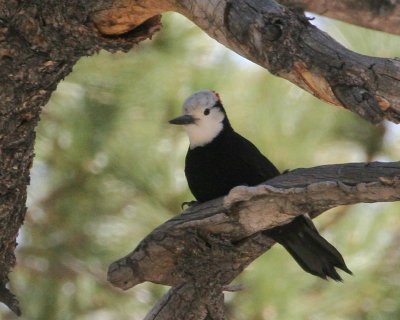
[288, 45]
[208, 245]
[383, 15]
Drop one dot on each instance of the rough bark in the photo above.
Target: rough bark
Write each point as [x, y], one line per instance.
[40, 41]
[206, 247]
[383, 15]
[288, 45]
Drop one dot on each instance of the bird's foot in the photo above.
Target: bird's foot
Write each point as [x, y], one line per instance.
[188, 204]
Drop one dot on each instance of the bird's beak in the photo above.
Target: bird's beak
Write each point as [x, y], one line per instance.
[185, 119]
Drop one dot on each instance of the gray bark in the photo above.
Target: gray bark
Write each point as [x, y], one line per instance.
[35, 54]
[383, 15]
[202, 250]
[289, 46]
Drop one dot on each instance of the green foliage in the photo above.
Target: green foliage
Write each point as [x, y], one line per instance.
[109, 169]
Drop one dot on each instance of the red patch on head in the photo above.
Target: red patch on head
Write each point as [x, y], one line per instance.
[217, 95]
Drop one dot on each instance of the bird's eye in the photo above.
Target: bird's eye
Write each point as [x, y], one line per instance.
[206, 112]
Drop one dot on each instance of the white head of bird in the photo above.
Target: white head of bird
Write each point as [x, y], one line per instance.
[202, 118]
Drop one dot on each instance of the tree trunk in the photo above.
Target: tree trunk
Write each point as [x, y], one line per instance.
[289, 46]
[40, 43]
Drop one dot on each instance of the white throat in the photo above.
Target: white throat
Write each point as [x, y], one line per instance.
[203, 133]
[207, 124]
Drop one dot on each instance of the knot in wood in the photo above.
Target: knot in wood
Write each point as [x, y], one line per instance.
[272, 31]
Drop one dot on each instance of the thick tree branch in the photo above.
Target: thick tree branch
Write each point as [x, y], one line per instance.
[288, 45]
[40, 41]
[383, 15]
[210, 244]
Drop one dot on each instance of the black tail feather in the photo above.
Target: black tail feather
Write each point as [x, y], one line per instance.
[310, 250]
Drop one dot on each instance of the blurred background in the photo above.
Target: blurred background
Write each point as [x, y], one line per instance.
[109, 169]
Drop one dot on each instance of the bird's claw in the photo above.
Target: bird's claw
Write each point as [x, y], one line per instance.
[188, 204]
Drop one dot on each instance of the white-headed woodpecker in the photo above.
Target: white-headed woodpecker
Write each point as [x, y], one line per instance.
[219, 159]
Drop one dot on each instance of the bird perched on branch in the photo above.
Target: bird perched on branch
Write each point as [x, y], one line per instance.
[219, 159]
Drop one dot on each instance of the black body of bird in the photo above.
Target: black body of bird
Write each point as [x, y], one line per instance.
[220, 159]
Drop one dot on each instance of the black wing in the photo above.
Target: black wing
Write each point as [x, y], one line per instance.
[228, 161]
[257, 167]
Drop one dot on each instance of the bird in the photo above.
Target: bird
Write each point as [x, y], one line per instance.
[219, 159]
